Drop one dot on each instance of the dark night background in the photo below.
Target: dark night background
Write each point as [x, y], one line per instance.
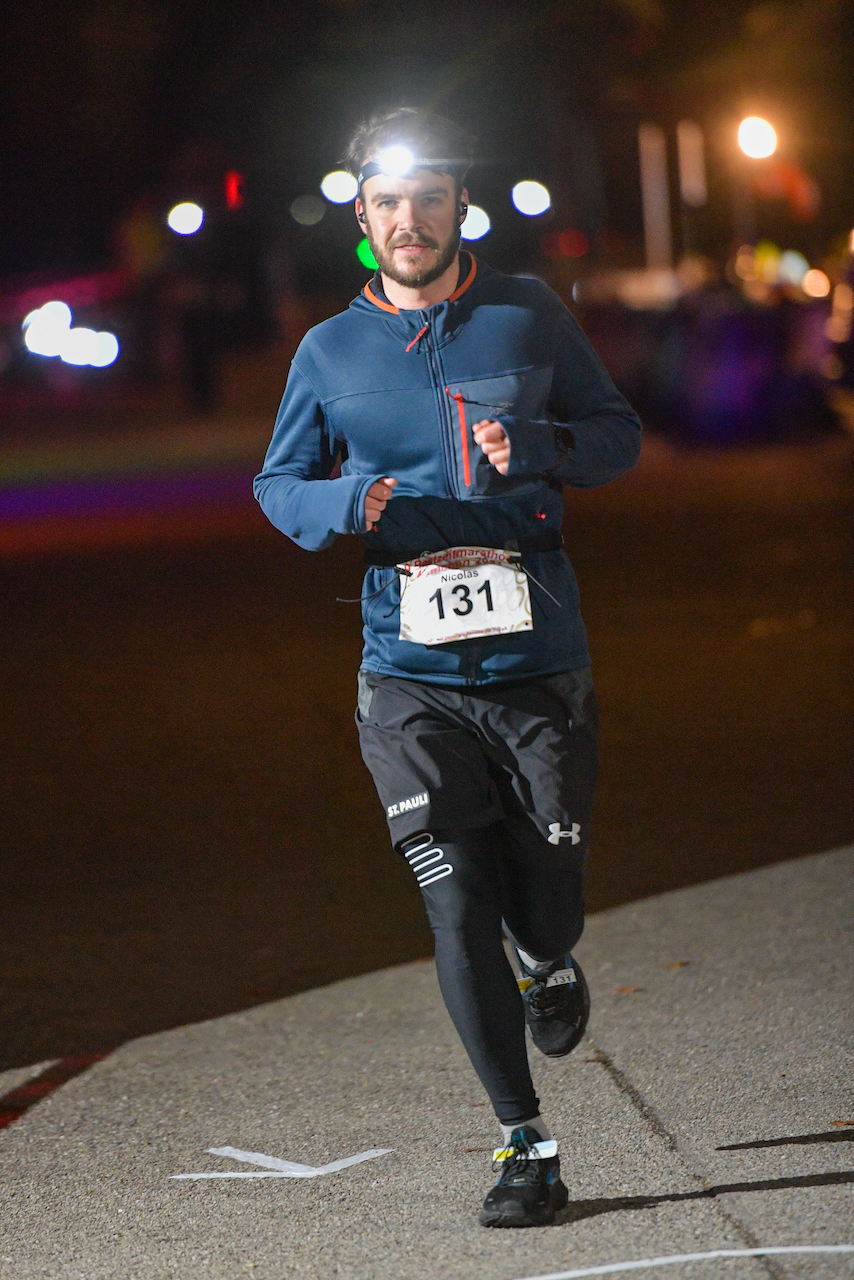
[105, 103]
[186, 825]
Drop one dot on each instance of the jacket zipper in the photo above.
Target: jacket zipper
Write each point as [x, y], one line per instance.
[470, 663]
[444, 412]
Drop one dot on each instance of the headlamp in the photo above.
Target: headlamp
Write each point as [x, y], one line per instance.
[399, 162]
[396, 161]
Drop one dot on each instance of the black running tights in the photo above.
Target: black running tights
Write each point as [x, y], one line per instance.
[471, 881]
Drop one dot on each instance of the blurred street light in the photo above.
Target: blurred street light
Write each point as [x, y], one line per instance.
[186, 218]
[793, 266]
[235, 189]
[815, 284]
[757, 138]
[568, 243]
[79, 346]
[48, 332]
[45, 329]
[307, 210]
[531, 198]
[365, 254]
[108, 350]
[60, 312]
[339, 186]
[476, 224]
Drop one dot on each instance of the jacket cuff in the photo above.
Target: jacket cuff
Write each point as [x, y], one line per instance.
[534, 446]
[356, 513]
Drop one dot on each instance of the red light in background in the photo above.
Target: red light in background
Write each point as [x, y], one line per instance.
[235, 189]
[568, 243]
[785, 180]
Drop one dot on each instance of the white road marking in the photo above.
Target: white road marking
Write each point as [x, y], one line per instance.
[609, 1268]
[265, 1162]
[277, 1168]
[16, 1076]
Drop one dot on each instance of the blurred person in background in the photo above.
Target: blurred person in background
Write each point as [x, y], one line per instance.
[461, 401]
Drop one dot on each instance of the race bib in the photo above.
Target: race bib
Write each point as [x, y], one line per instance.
[462, 593]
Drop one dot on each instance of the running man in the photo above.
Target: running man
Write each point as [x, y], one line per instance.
[461, 402]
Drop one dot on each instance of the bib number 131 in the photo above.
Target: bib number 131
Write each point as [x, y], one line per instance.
[466, 604]
[458, 601]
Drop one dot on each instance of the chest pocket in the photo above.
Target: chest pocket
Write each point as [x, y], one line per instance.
[522, 394]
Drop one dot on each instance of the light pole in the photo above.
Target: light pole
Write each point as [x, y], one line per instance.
[757, 140]
[691, 151]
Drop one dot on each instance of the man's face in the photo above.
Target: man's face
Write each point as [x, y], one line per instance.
[412, 225]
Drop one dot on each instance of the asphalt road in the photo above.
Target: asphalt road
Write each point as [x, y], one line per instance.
[188, 829]
[709, 1108]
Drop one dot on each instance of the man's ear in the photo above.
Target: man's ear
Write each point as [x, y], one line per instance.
[464, 205]
[360, 211]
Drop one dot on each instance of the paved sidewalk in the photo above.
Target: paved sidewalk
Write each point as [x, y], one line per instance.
[706, 1110]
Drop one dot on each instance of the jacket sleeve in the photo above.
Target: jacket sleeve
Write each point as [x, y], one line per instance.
[294, 488]
[592, 434]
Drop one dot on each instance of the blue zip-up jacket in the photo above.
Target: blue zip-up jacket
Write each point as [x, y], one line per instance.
[396, 393]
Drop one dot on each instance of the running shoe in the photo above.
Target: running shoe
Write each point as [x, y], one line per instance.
[529, 1191]
[557, 1006]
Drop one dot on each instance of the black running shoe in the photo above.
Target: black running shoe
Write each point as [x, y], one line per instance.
[557, 1007]
[529, 1191]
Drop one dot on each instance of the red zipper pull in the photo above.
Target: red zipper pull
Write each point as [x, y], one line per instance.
[419, 334]
[463, 433]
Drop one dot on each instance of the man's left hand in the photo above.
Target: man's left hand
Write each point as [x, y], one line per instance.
[492, 439]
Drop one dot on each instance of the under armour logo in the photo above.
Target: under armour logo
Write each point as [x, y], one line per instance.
[555, 833]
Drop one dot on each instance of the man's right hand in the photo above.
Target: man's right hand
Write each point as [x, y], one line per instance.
[376, 499]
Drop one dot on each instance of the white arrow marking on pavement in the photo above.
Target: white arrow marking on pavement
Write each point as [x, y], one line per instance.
[282, 1168]
[266, 1162]
[610, 1268]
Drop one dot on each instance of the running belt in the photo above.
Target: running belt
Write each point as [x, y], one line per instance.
[552, 541]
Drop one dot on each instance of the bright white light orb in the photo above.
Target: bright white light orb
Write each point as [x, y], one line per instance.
[307, 210]
[396, 161]
[757, 138]
[45, 329]
[108, 349]
[44, 339]
[186, 218]
[79, 346]
[58, 312]
[531, 198]
[476, 224]
[815, 284]
[792, 267]
[339, 187]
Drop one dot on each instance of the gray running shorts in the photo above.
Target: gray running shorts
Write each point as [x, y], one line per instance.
[451, 758]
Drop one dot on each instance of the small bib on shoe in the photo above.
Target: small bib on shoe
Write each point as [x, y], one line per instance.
[538, 1151]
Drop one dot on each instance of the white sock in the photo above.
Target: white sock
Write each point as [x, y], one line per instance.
[533, 966]
[537, 1122]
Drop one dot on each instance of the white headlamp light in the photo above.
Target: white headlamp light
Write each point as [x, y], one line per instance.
[396, 161]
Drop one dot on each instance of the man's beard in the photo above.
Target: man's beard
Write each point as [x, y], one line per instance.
[415, 279]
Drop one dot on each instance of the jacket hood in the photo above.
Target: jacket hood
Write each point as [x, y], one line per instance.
[372, 301]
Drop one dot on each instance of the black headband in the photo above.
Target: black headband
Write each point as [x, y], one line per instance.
[372, 168]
